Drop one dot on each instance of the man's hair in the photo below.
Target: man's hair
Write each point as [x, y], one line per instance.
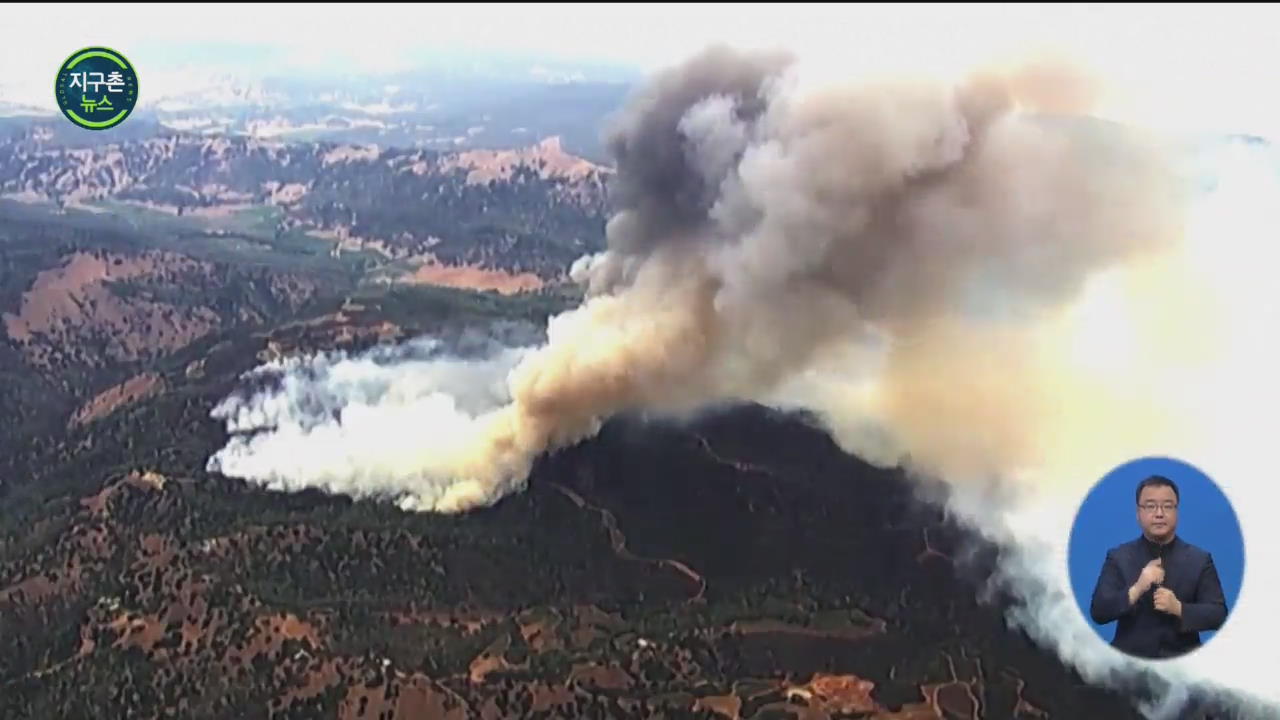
[1156, 481]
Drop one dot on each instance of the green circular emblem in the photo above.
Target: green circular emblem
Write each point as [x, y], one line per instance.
[96, 88]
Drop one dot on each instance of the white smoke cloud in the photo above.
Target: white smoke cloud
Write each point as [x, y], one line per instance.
[943, 270]
[387, 422]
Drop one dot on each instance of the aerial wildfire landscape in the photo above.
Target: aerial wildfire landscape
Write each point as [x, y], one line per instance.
[740, 419]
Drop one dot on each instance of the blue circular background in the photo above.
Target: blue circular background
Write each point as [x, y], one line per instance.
[1108, 517]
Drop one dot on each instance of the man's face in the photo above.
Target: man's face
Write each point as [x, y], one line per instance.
[1158, 512]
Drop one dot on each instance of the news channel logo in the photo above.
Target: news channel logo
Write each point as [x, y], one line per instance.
[96, 88]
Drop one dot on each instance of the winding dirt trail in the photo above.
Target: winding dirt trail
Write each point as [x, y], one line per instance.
[619, 542]
[739, 465]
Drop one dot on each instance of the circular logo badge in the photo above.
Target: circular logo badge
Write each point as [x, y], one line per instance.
[96, 88]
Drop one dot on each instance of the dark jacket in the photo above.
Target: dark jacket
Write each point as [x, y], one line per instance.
[1141, 629]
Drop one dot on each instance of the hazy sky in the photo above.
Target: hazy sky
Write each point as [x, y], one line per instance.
[1210, 66]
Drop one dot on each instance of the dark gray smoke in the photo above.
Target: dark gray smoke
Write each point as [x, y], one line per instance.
[668, 178]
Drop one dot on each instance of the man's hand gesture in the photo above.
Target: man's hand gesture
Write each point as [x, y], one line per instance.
[1152, 574]
[1167, 602]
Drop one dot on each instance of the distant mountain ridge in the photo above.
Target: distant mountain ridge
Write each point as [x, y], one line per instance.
[447, 104]
[533, 209]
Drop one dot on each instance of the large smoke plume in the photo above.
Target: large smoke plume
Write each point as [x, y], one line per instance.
[973, 274]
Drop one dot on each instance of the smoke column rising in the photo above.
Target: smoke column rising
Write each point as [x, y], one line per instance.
[967, 271]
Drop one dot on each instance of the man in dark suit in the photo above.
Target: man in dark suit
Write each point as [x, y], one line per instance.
[1161, 591]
